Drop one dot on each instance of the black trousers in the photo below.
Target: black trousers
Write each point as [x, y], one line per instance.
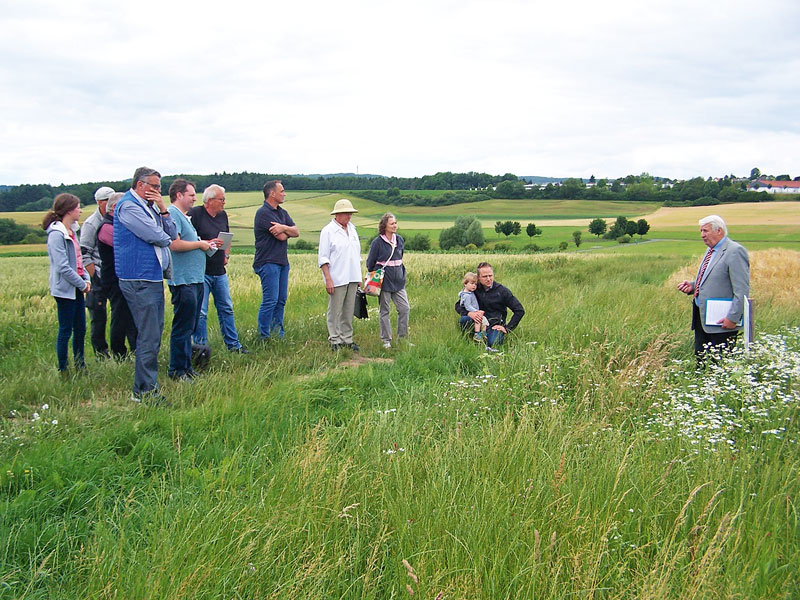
[96, 303]
[703, 342]
[122, 325]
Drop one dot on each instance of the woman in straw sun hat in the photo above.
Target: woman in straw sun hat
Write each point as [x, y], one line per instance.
[339, 258]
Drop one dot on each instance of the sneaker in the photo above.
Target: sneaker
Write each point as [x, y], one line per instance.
[387, 345]
[239, 350]
[181, 377]
[335, 347]
[490, 349]
[477, 338]
[354, 347]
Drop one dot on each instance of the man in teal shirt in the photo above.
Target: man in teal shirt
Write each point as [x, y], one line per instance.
[186, 285]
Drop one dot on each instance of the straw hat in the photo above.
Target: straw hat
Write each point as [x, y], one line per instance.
[343, 206]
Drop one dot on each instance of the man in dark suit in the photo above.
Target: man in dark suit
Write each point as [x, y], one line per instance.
[724, 273]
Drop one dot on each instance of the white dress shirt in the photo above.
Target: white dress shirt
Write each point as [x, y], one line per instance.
[341, 251]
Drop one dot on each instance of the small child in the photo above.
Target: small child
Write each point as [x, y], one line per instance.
[468, 300]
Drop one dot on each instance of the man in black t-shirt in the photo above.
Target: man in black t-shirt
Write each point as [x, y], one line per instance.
[272, 227]
[209, 220]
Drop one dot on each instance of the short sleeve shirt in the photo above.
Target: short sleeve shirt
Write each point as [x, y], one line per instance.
[208, 228]
[187, 267]
[270, 249]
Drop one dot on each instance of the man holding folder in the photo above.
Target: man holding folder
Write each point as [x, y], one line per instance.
[723, 281]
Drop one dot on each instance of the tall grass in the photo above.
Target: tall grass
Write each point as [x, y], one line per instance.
[549, 470]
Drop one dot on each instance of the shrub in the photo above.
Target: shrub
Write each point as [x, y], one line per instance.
[419, 242]
[470, 247]
[303, 245]
[624, 239]
[502, 247]
[531, 248]
[563, 246]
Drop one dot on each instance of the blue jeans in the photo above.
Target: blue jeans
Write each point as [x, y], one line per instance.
[218, 285]
[274, 291]
[186, 303]
[494, 337]
[146, 302]
[71, 323]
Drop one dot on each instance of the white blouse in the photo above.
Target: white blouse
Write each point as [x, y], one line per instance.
[341, 251]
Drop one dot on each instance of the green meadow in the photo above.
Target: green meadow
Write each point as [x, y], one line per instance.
[588, 459]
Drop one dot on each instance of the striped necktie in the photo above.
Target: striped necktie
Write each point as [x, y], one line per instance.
[702, 271]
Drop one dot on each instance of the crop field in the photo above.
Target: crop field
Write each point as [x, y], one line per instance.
[588, 459]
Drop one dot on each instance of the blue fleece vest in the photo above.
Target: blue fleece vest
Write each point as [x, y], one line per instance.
[134, 258]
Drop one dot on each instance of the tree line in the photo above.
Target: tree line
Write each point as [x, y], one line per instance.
[457, 187]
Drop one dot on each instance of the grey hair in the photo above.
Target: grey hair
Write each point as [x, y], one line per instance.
[143, 173]
[384, 222]
[716, 222]
[211, 192]
[113, 199]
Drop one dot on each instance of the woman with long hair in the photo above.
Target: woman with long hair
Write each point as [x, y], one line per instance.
[386, 251]
[68, 279]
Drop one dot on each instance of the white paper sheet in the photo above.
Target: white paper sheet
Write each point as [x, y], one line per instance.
[717, 309]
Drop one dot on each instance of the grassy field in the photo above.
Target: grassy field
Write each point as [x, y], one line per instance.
[769, 222]
[587, 460]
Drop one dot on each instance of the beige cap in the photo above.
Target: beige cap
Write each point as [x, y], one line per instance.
[103, 193]
[343, 206]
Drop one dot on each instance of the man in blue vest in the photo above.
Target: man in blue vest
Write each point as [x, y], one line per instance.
[143, 232]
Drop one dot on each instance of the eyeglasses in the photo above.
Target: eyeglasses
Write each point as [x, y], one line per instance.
[153, 185]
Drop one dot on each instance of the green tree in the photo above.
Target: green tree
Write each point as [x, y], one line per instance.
[755, 173]
[576, 237]
[563, 246]
[510, 189]
[516, 228]
[617, 229]
[571, 188]
[506, 228]
[711, 188]
[450, 238]
[642, 227]
[419, 242]
[598, 226]
[498, 227]
[532, 230]
[474, 234]
[631, 228]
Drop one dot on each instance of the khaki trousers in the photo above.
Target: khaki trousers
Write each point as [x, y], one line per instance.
[340, 313]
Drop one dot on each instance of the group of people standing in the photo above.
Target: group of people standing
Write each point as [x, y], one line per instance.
[127, 248]
[133, 242]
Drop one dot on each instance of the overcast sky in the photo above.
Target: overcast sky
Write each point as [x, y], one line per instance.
[571, 88]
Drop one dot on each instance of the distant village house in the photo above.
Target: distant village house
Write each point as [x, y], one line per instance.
[772, 186]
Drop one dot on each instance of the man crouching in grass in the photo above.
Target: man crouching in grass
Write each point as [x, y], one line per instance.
[494, 300]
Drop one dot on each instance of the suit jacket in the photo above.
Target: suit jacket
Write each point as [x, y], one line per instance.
[728, 276]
